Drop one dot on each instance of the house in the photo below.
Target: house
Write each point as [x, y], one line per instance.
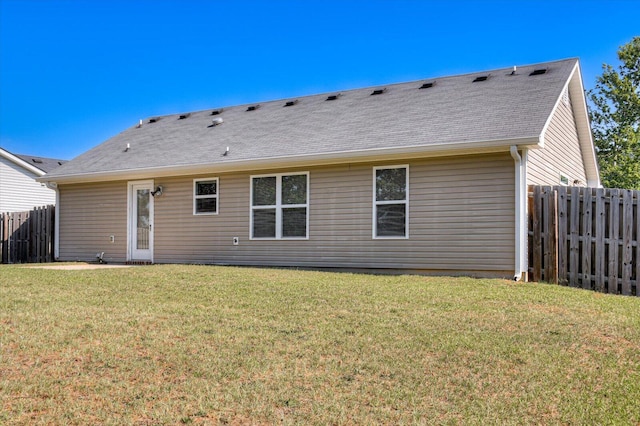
[428, 176]
[19, 190]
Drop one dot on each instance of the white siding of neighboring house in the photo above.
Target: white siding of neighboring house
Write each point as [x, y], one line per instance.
[19, 191]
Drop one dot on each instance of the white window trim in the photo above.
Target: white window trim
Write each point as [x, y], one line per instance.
[278, 207]
[376, 203]
[197, 197]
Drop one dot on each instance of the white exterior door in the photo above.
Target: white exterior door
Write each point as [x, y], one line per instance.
[140, 229]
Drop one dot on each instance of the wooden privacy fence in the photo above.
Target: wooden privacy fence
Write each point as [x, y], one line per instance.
[585, 237]
[27, 237]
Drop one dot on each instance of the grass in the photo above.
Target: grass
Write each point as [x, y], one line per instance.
[219, 345]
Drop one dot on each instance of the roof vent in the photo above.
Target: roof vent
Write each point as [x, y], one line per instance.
[183, 116]
[291, 103]
[539, 71]
[253, 107]
[36, 160]
[333, 97]
[154, 119]
[216, 121]
[378, 92]
[427, 85]
[216, 111]
[481, 78]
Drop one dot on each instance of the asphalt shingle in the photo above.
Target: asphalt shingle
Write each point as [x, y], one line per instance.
[454, 110]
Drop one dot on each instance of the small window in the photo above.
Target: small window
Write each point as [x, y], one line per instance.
[205, 196]
[390, 202]
[564, 180]
[280, 206]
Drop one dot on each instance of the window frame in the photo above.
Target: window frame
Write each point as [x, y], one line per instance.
[197, 197]
[376, 203]
[278, 206]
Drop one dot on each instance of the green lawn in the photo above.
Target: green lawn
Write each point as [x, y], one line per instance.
[219, 345]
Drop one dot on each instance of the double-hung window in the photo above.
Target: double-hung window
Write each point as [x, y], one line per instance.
[280, 206]
[205, 196]
[390, 202]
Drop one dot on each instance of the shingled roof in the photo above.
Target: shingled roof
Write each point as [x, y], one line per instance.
[42, 163]
[455, 114]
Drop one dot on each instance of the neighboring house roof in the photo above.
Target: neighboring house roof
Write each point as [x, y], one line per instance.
[444, 115]
[44, 164]
[37, 165]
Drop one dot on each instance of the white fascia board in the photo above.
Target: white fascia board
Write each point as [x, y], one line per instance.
[305, 160]
[20, 162]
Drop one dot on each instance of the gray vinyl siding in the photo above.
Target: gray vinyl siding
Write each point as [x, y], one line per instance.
[461, 219]
[19, 191]
[88, 215]
[561, 153]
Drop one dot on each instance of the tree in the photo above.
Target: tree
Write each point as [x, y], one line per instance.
[615, 119]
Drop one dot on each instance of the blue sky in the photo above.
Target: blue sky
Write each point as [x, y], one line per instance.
[75, 72]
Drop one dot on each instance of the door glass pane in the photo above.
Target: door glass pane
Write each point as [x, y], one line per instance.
[142, 219]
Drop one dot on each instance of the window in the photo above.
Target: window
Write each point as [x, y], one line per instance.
[390, 202]
[205, 196]
[280, 206]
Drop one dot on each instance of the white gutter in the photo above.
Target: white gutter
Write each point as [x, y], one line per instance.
[521, 213]
[56, 221]
[300, 160]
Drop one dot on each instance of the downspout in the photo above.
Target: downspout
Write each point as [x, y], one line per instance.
[521, 213]
[56, 221]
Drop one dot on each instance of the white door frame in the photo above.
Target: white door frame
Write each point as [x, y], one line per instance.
[134, 253]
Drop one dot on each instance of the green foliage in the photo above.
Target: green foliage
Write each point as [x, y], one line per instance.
[615, 119]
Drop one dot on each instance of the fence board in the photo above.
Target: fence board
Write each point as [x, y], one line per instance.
[587, 225]
[600, 248]
[574, 244]
[27, 237]
[627, 230]
[562, 236]
[537, 234]
[614, 232]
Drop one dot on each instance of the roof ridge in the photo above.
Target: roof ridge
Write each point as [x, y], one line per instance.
[363, 88]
